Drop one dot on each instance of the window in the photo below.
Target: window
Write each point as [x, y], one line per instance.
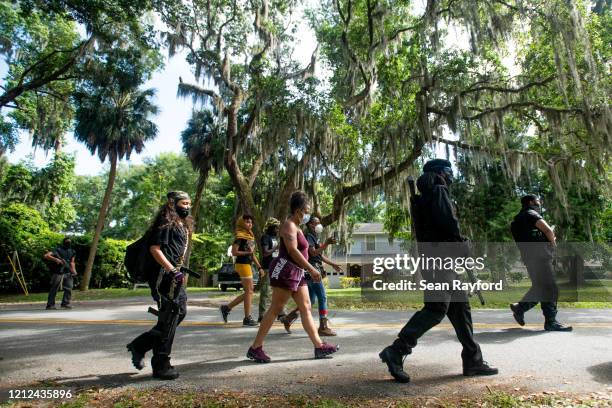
[370, 243]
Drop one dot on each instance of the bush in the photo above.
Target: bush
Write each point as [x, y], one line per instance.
[346, 283]
[484, 276]
[22, 229]
[516, 277]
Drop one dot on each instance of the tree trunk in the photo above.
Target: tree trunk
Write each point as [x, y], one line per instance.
[202, 178]
[196, 210]
[100, 225]
[239, 181]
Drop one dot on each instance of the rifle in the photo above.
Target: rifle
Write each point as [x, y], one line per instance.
[417, 227]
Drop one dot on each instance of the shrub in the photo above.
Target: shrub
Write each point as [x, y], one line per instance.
[484, 276]
[22, 229]
[516, 277]
[346, 282]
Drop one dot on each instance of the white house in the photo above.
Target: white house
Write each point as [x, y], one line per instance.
[367, 240]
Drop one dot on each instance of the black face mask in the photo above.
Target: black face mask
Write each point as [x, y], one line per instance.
[67, 245]
[182, 212]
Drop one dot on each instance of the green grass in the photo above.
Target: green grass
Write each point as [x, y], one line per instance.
[596, 294]
[593, 295]
[227, 399]
[91, 294]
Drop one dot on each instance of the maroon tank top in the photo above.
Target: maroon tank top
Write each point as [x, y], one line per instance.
[302, 246]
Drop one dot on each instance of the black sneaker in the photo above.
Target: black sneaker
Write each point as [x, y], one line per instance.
[480, 369]
[51, 308]
[556, 326]
[395, 364]
[137, 358]
[518, 313]
[248, 321]
[66, 307]
[225, 311]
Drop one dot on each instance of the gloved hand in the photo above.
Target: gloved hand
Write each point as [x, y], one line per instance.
[177, 275]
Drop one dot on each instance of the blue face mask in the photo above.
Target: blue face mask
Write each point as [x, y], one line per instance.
[305, 219]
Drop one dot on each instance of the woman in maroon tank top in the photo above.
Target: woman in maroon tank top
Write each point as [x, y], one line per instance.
[294, 252]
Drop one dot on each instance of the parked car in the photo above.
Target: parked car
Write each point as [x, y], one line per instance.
[227, 277]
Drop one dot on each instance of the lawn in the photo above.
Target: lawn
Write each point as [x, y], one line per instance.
[596, 294]
[92, 294]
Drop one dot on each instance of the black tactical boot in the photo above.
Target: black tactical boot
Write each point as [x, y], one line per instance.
[480, 369]
[556, 326]
[163, 370]
[518, 313]
[394, 360]
[137, 357]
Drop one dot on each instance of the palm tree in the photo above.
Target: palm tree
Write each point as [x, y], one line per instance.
[112, 120]
[203, 145]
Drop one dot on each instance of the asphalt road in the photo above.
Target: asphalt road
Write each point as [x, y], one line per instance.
[85, 347]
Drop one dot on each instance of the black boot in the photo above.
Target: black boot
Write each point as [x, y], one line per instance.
[394, 360]
[556, 326]
[518, 313]
[480, 369]
[163, 370]
[137, 357]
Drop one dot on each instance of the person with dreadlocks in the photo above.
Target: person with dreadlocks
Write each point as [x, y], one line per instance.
[168, 238]
[244, 251]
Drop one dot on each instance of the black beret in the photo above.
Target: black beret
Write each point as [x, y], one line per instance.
[436, 165]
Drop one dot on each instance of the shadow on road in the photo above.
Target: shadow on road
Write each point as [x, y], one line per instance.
[602, 373]
[505, 335]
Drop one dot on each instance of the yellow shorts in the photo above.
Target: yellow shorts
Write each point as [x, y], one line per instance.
[244, 270]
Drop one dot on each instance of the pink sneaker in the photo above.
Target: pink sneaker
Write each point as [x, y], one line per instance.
[258, 355]
[325, 350]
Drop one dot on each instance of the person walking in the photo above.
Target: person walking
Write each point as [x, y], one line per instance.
[287, 281]
[316, 290]
[269, 248]
[243, 249]
[439, 237]
[537, 242]
[168, 239]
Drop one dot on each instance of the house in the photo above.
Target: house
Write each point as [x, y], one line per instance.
[368, 240]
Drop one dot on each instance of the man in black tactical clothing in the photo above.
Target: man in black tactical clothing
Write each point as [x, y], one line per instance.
[536, 242]
[168, 239]
[64, 271]
[437, 237]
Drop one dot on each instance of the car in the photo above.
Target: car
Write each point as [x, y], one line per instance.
[227, 277]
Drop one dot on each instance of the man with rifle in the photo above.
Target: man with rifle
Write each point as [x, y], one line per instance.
[167, 240]
[64, 271]
[537, 242]
[437, 231]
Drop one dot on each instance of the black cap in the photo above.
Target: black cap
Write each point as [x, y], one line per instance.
[437, 165]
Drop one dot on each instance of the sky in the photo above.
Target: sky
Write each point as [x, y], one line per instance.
[171, 120]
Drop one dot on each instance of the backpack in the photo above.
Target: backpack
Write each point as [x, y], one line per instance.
[139, 263]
